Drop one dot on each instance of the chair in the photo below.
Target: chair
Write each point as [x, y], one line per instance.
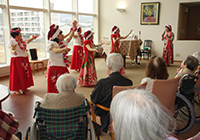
[63, 124]
[147, 48]
[165, 91]
[34, 60]
[116, 89]
[184, 110]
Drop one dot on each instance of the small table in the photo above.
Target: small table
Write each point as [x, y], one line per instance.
[129, 47]
[4, 94]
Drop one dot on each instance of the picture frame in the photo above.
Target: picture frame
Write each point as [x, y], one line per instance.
[150, 13]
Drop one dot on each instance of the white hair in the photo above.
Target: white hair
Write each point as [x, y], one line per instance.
[115, 62]
[138, 115]
[66, 82]
[197, 55]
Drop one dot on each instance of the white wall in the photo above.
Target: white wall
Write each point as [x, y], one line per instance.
[130, 19]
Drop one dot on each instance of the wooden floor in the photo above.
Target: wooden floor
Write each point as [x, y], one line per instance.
[23, 105]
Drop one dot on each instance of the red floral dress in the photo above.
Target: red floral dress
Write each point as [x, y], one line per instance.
[87, 76]
[115, 46]
[168, 48]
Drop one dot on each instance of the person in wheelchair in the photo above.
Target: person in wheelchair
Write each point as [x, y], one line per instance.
[187, 66]
[66, 98]
[138, 115]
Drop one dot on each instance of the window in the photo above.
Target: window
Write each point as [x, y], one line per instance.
[27, 32]
[27, 3]
[26, 13]
[86, 22]
[64, 21]
[26, 19]
[61, 5]
[20, 14]
[85, 6]
[27, 24]
[189, 24]
[20, 19]
[2, 45]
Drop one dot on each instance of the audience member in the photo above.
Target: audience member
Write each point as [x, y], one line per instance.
[102, 93]
[138, 115]
[155, 69]
[66, 98]
[188, 66]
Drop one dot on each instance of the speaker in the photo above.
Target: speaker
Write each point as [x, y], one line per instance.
[33, 53]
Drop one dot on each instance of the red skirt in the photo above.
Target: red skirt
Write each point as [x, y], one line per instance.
[20, 74]
[77, 58]
[53, 73]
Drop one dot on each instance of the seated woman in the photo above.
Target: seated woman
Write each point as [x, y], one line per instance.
[138, 115]
[155, 69]
[67, 98]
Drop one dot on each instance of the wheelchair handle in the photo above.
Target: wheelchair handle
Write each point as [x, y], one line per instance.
[190, 75]
[37, 106]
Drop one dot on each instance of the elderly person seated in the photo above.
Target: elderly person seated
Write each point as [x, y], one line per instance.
[66, 98]
[138, 115]
[188, 66]
[102, 93]
[155, 69]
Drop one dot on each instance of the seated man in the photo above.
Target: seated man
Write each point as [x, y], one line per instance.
[138, 115]
[66, 98]
[188, 66]
[102, 93]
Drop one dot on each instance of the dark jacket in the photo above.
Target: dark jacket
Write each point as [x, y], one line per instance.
[102, 93]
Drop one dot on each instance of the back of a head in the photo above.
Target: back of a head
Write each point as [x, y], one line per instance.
[191, 62]
[197, 55]
[115, 62]
[66, 82]
[156, 68]
[138, 115]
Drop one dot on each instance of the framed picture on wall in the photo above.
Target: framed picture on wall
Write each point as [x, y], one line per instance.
[150, 13]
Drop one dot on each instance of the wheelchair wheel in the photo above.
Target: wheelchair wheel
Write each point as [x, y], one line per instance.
[34, 135]
[184, 114]
[196, 105]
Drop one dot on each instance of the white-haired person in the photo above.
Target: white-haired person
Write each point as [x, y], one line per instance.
[57, 48]
[138, 115]
[66, 98]
[102, 93]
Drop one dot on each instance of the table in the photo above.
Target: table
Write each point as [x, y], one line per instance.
[4, 94]
[129, 47]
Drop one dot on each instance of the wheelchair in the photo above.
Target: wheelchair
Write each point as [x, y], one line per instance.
[61, 124]
[185, 109]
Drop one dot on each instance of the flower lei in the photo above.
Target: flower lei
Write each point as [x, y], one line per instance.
[65, 57]
[81, 37]
[23, 43]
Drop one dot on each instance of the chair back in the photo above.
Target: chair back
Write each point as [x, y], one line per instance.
[62, 123]
[33, 53]
[147, 44]
[117, 89]
[197, 84]
[165, 91]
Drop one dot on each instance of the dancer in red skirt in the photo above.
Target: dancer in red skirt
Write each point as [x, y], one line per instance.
[115, 40]
[77, 50]
[20, 71]
[57, 49]
[88, 76]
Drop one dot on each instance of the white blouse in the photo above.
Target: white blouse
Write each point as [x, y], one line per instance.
[77, 40]
[20, 52]
[56, 59]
